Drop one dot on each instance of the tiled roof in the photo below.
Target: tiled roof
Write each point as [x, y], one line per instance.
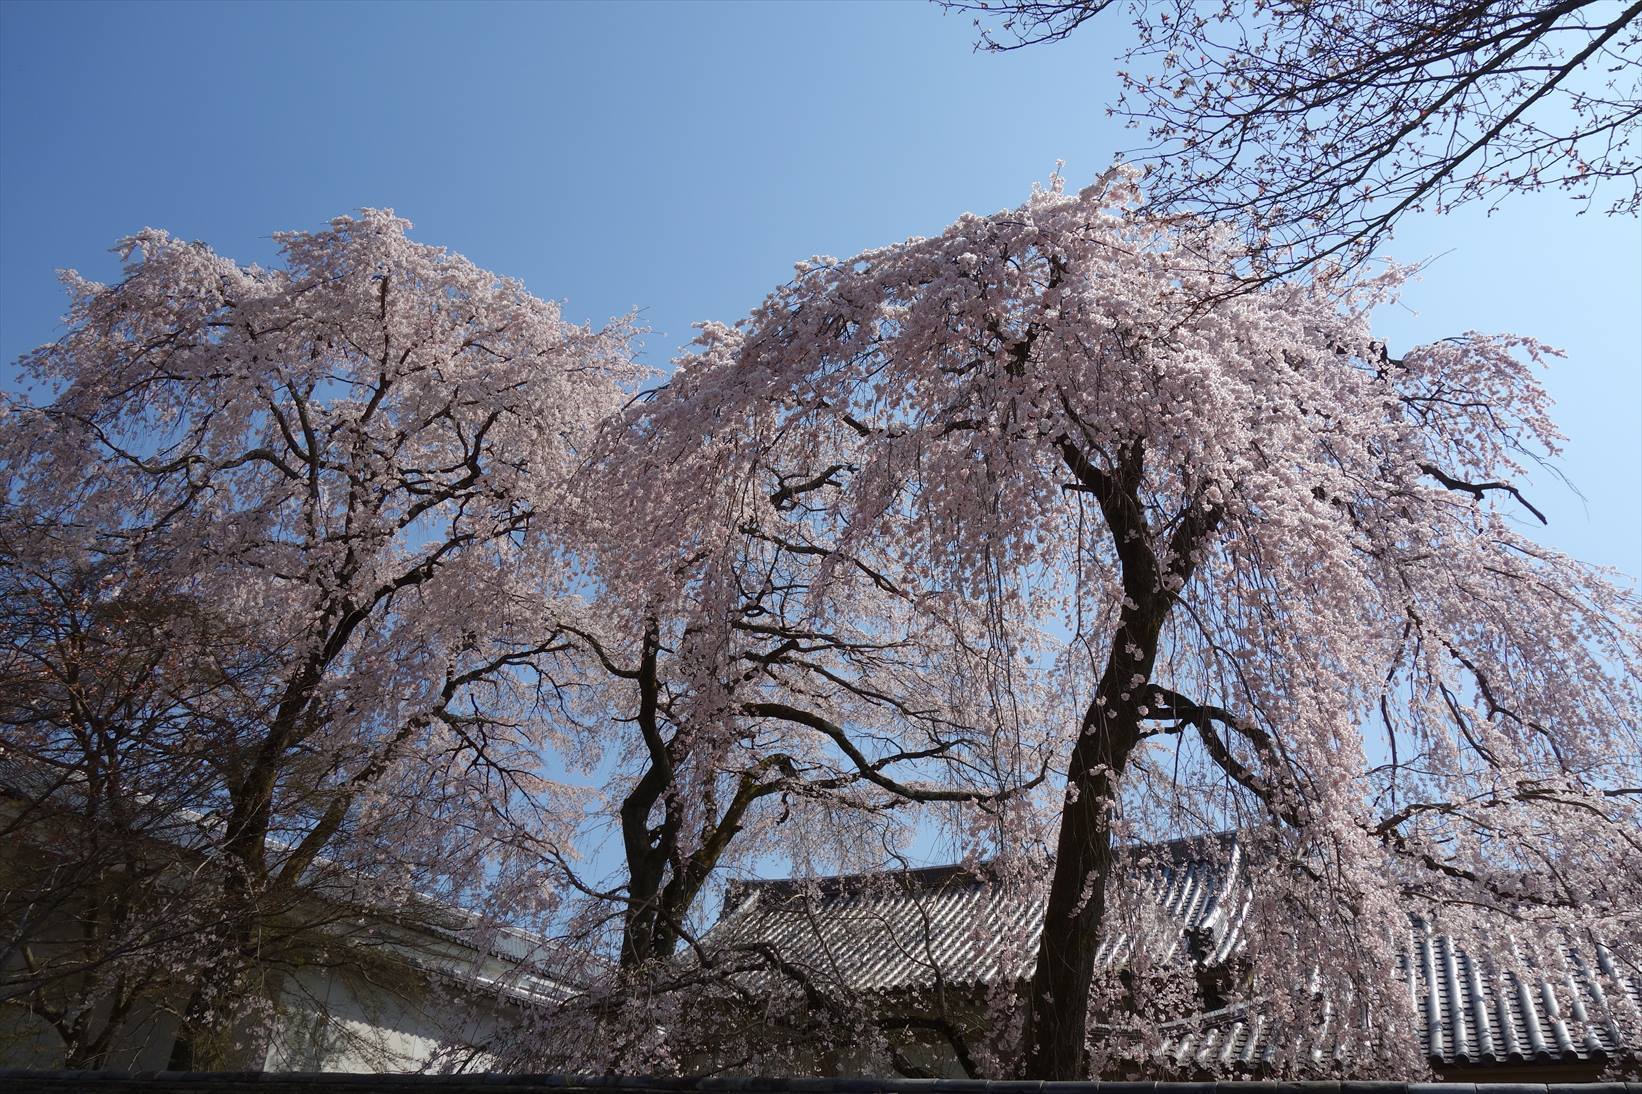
[1472, 1013]
[1467, 1012]
[901, 931]
[893, 931]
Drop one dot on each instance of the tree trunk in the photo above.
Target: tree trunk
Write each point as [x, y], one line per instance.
[86, 1057]
[216, 994]
[653, 923]
[202, 1033]
[1058, 1009]
[182, 1044]
[638, 936]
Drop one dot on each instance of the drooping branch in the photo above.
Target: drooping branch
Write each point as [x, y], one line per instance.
[1167, 704]
[1478, 489]
[872, 771]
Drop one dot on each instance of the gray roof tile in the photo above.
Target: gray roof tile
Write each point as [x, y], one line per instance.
[958, 925]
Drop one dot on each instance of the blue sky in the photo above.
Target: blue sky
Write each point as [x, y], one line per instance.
[678, 158]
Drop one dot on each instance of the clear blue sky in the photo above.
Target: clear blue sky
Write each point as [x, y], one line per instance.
[678, 158]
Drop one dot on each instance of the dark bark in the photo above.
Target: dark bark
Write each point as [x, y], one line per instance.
[90, 1056]
[182, 1045]
[1058, 1005]
[647, 848]
[215, 994]
[1058, 1010]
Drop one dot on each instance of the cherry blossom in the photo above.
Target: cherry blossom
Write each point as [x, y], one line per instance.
[1236, 562]
[352, 468]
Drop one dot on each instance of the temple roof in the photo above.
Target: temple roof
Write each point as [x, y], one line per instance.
[902, 932]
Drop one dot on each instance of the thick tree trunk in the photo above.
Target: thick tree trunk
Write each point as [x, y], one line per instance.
[202, 1036]
[653, 923]
[1058, 1009]
[638, 936]
[92, 1057]
[647, 849]
[663, 882]
[182, 1043]
[216, 995]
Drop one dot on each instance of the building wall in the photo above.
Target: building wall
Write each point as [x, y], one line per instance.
[339, 1021]
[326, 1020]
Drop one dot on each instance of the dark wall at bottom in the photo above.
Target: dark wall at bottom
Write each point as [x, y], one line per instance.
[124, 1082]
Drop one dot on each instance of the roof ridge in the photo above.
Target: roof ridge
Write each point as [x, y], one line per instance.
[925, 877]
